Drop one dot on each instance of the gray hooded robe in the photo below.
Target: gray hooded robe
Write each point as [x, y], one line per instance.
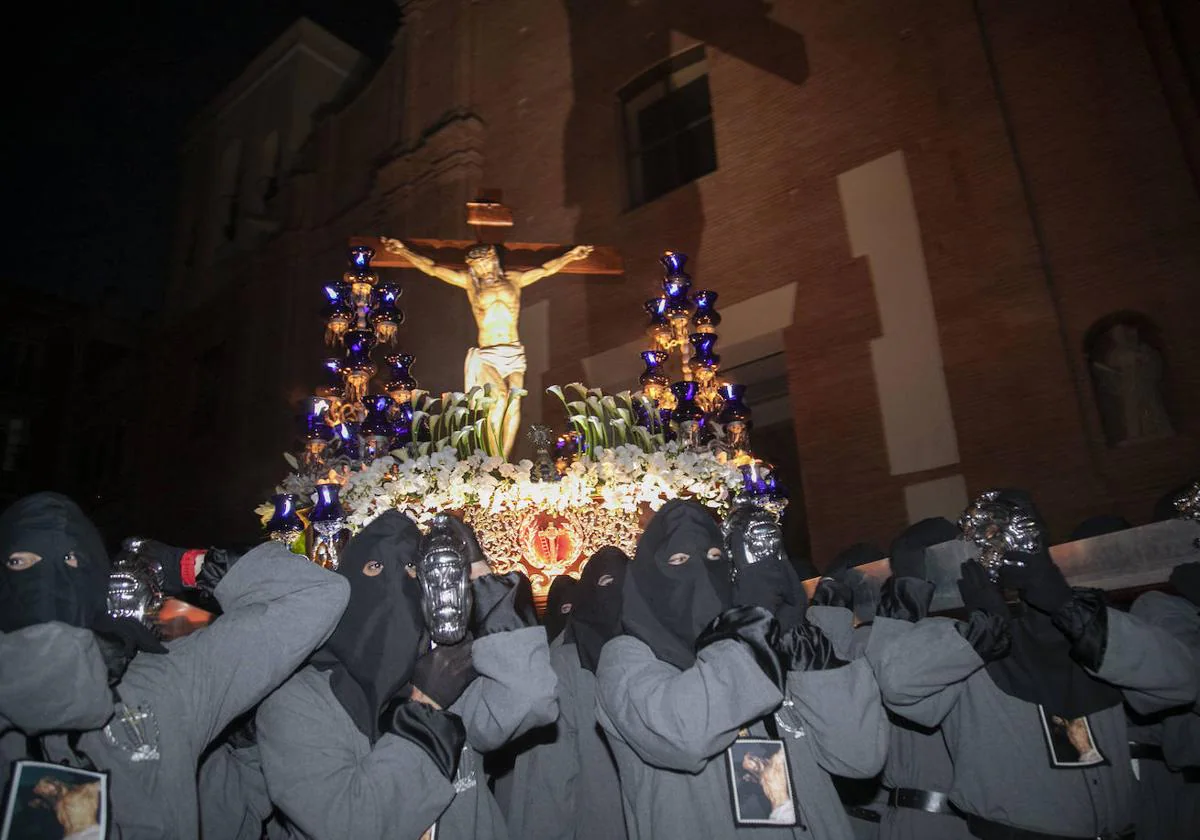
[277, 608]
[331, 783]
[1168, 806]
[932, 676]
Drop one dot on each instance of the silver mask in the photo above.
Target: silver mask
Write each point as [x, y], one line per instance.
[445, 576]
[135, 586]
[752, 535]
[998, 527]
[1187, 503]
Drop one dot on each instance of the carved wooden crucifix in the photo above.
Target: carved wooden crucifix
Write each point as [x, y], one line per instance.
[493, 272]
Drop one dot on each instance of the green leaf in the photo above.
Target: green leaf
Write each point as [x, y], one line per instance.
[579, 389]
[291, 459]
[578, 406]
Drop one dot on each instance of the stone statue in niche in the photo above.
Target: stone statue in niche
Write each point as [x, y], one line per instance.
[1128, 376]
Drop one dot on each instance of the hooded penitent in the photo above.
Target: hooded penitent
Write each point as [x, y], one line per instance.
[560, 601]
[372, 651]
[678, 582]
[763, 575]
[596, 616]
[69, 581]
[56, 569]
[1039, 668]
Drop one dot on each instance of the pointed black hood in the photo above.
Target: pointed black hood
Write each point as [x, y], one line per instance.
[375, 645]
[596, 617]
[70, 581]
[679, 581]
[560, 601]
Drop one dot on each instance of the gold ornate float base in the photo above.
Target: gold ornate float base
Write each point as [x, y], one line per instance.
[544, 545]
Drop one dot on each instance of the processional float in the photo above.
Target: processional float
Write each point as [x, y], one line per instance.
[373, 440]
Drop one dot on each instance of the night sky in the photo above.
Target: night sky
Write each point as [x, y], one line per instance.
[102, 95]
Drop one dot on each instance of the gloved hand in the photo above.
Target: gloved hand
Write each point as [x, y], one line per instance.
[978, 592]
[120, 640]
[990, 635]
[444, 673]
[502, 603]
[217, 562]
[806, 648]
[439, 734]
[754, 627]
[833, 593]
[905, 598]
[1084, 621]
[1186, 579]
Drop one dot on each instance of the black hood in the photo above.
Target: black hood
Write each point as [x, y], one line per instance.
[375, 645]
[908, 550]
[70, 582]
[596, 616]
[559, 602]
[665, 604]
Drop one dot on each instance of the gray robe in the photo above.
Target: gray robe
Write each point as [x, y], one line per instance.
[234, 804]
[669, 730]
[565, 787]
[931, 675]
[277, 608]
[330, 782]
[1169, 807]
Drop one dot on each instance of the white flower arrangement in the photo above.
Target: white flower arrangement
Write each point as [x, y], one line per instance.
[622, 478]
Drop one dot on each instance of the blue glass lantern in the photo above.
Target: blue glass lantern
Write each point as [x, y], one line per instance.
[285, 524]
[377, 427]
[654, 379]
[402, 418]
[659, 330]
[386, 317]
[347, 436]
[401, 383]
[687, 416]
[357, 367]
[706, 318]
[332, 384]
[735, 416]
[339, 313]
[704, 361]
[328, 506]
[676, 284]
[361, 256]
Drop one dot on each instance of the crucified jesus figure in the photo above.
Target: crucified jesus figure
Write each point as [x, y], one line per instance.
[495, 298]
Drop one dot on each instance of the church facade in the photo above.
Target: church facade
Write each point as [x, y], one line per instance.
[955, 243]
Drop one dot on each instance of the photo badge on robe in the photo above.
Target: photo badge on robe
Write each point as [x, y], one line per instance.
[52, 801]
[1069, 742]
[760, 783]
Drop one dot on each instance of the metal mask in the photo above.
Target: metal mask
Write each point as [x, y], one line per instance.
[445, 576]
[752, 535]
[1187, 503]
[999, 526]
[135, 586]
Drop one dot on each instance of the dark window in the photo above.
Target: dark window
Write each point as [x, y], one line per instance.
[668, 126]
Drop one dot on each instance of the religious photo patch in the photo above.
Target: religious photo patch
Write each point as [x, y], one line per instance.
[56, 802]
[1069, 741]
[760, 783]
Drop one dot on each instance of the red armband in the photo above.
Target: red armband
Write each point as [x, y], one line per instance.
[187, 566]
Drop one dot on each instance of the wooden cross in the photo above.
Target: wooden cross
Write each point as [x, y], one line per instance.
[490, 220]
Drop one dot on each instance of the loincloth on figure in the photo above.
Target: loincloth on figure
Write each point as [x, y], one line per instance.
[504, 359]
